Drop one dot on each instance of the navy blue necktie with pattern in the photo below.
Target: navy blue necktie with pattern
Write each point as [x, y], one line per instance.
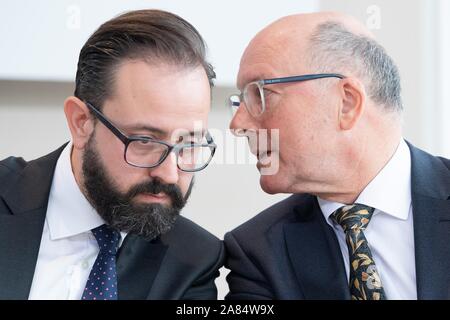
[102, 281]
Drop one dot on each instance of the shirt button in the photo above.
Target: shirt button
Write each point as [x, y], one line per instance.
[84, 264]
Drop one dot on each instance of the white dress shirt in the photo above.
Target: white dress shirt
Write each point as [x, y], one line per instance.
[390, 233]
[68, 248]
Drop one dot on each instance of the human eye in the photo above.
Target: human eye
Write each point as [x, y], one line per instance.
[143, 139]
[269, 96]
[191, 139]
[143, 142]
[267, 92]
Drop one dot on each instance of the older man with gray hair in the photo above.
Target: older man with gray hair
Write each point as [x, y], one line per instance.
[368, 218]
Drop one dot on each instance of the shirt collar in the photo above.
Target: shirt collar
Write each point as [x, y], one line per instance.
[69, 212]
[389, 191]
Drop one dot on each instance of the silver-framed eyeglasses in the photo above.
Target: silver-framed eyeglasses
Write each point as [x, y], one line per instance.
[253, 94]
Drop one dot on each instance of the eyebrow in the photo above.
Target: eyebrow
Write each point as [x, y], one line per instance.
[158, 131]
[145, 127]
[195, 133]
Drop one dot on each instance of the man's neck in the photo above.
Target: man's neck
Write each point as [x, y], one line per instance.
[371, 162]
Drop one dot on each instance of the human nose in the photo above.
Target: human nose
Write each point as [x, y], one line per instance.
[167, 171]
[242, 121]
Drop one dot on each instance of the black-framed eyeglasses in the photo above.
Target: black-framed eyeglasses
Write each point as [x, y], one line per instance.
[253, 93]
[145, 152]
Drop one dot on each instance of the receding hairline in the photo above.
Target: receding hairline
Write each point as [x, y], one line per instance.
[166, 64]
[310, 21]
[293, 32]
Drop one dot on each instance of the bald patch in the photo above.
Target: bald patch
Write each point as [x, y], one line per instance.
[307, 23]
[281, 48]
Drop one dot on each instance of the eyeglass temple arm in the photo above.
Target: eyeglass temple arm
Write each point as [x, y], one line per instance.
[108, 124]
[302, 78]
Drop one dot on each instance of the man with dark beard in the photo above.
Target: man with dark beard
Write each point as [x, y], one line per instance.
[148, 220]
[99, 217]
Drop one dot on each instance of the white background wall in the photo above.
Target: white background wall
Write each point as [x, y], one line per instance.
[40, 44]
[55, 31]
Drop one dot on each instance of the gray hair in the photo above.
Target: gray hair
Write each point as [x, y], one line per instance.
[335, 49]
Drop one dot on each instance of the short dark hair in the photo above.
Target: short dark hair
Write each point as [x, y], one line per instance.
[151, 35]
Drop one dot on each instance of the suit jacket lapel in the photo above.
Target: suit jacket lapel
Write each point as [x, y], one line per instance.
[25, 203]
[138, 263]
[430, 181]
[315, 254]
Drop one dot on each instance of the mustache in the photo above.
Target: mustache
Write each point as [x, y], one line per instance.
[155, 187]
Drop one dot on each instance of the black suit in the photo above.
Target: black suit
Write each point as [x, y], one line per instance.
[290, 252]
[181, 264]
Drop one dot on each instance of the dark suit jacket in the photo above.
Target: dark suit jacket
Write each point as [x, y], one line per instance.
[181, 264]
[290, 252]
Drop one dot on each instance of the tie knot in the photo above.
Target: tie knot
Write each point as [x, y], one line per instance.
[356, 216]
[107, 239]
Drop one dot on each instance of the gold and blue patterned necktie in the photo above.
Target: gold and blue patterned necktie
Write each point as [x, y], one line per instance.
[365, 282]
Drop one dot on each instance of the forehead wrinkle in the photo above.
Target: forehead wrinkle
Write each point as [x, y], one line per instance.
[255, 65]
[272, 54]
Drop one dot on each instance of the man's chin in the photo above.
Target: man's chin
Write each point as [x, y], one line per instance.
[273, 184]
[270, 184]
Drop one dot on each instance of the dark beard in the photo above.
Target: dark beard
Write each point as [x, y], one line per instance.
[118, 210]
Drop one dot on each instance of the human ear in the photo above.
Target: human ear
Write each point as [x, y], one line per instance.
[79, 120]
[353, 97]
